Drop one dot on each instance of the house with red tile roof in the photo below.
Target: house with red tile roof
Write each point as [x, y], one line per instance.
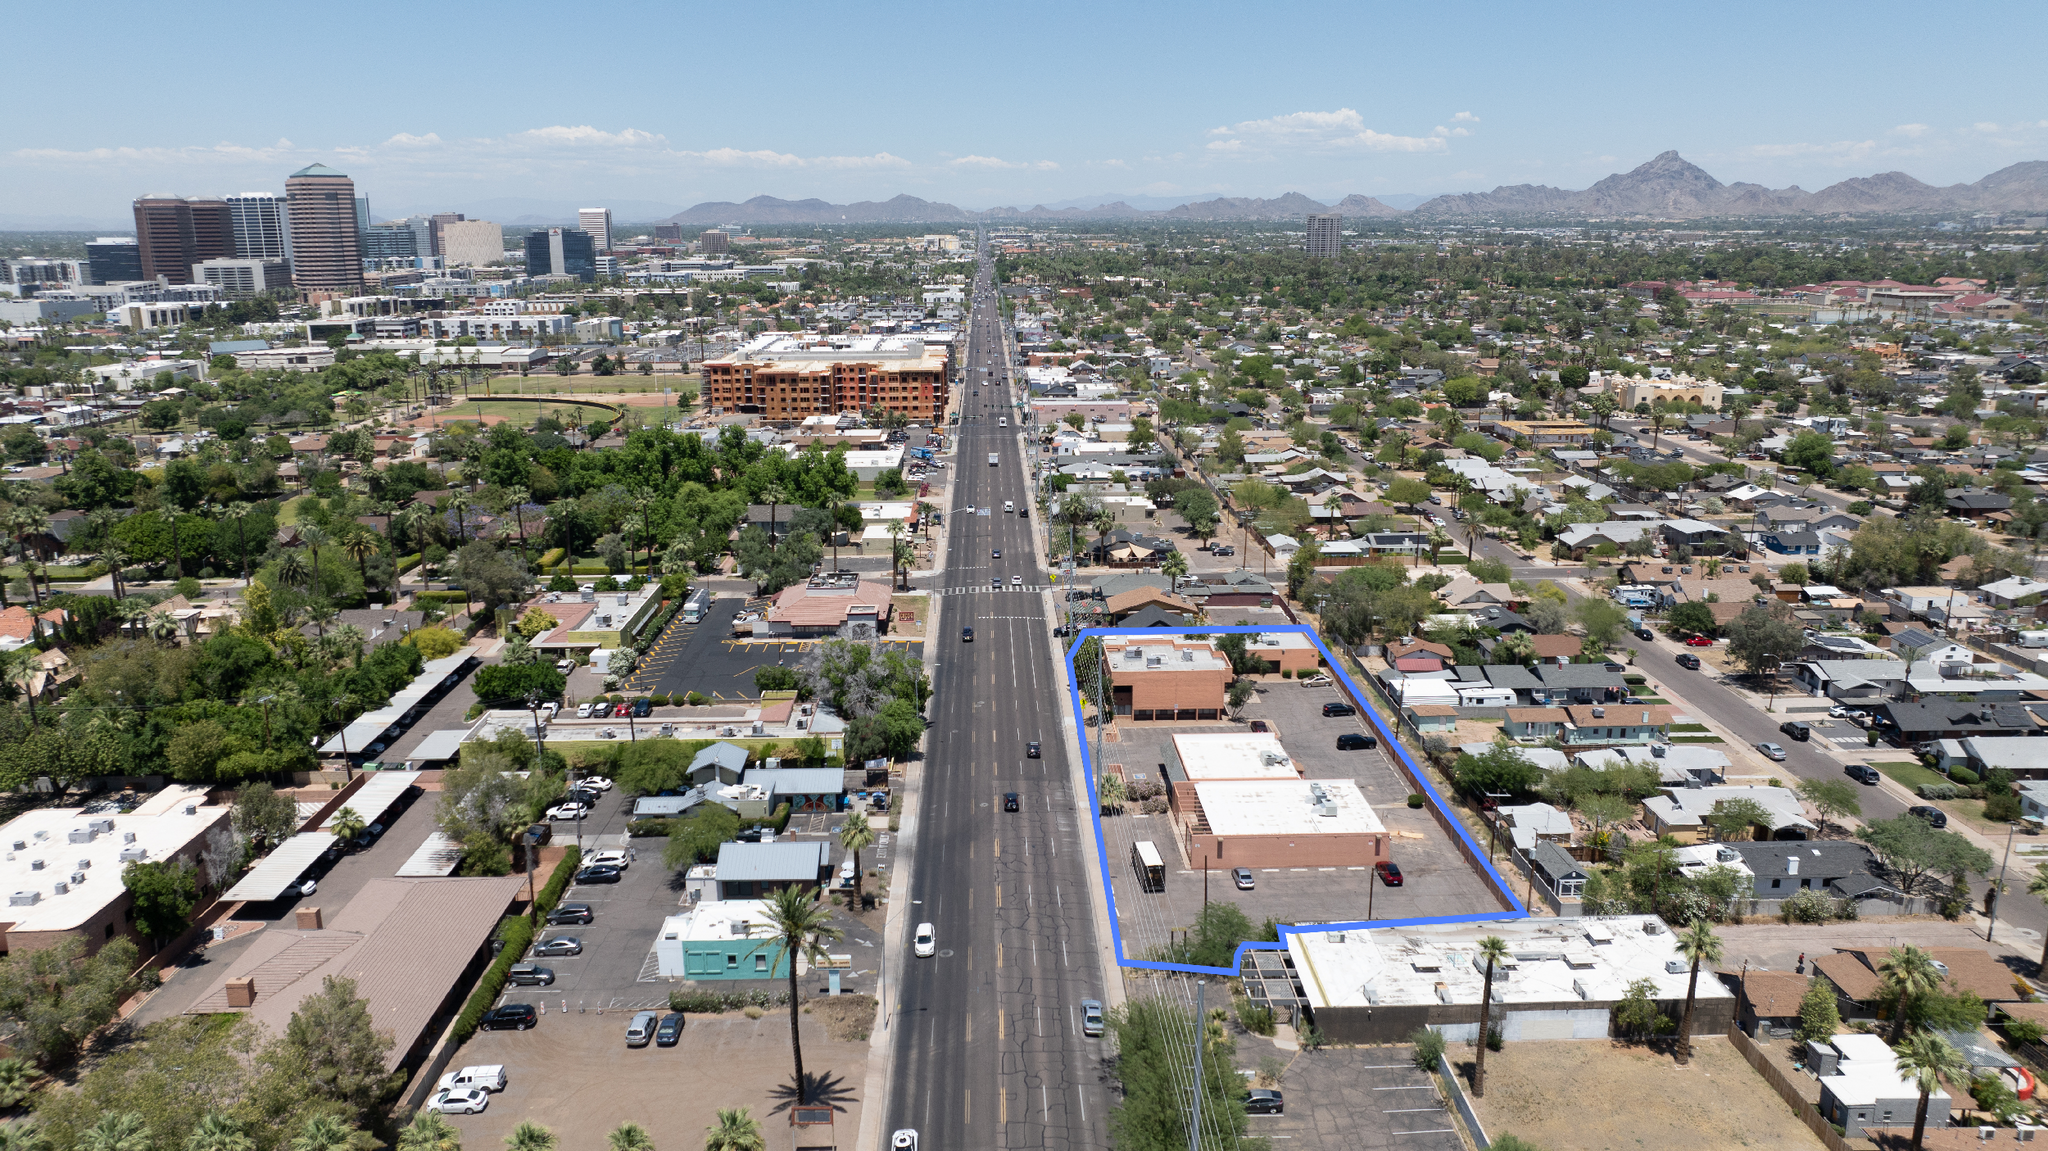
[17, 624]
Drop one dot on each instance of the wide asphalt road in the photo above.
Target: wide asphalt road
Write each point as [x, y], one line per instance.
[988, 1043]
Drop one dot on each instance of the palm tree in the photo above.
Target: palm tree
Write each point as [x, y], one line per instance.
[24, 1135]
[629, 1137]
[802, 928]
[315, 536]
[1439, 539]
[774, 494]
[1493, 949]
[321, 615]
[735, 1131]
[1103, 523]
[116, 1131]
[530, 1136]
[20, 668]
[2037, 886]
[324, 1133]
[361, 543]
[895, 542]
[174, 509]
[458, 503]
[856, 836]
[1698, 944]
[219, 1132]
[1905, 974]
[346, 824]
[17, 1078]
[634, 529]
[134, 612]
[428, 1131]
[115, 557]
[514, 499]
[291, 568]
[1175, 567]
[1925, 1060]
[239, 515]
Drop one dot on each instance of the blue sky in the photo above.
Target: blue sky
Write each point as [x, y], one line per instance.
[439, 106]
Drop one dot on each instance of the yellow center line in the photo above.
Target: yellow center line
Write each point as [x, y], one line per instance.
[999, 847]
[999, 957]
[967, 1107]
[1002, 1020]
[999, 897]
[970, 1027]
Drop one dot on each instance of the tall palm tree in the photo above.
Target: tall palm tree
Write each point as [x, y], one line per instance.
[239, 515]
[1104, 523]
[1698, 944]
[802, 928]
[219, 1132]
[1905, 974]
[1925, 1060]
[315, 537]
[20, 668]
[321, 615]
[735, 1131]
[530, 1136]
[134, 612]
[775, 496]
[173, 509]
[1174, 568]
[895, 544]
[116, 1131]
[2037, 886]
[360, 543]
[633, 528]
[346, 824]
[629, 1137]
[1493, 949]
[429, 1131]
[514, 499]
[1439, 539]
[324, 1133]
[458, 503]
[291, 568]
[856, 836]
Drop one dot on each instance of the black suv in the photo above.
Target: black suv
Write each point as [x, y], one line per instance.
[1688, 661]
[642, 707]
[598, 873]
[1934, 816]
[1009, 801]
[1330, 709]
[1862, 773]
[1352, 741]
[569, 913]
[1796, 730]
[510, 1017]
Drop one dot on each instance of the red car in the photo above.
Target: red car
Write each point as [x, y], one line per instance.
[1699, 641]
[622, 711]
[1389, 872]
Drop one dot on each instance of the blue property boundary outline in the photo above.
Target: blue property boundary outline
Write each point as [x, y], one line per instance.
[1387, 740]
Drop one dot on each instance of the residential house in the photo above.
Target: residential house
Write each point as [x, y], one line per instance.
[1922, 721]
[1852, 681]
[1536, 724]
[1432, 718]
[1537, 821]
[1564, 876]
[1682, 813]
[1954, 672]
[1575, 683]
[1766, 1001]
[1819, 645]
[1122, 606]
[754, 870]
[1842, 868]
[1788, 542]
[1676, 764]
[1587, 725]
[2014, 591]
[1859, 994]
[1556, 649]
[1416, 654]
[1860, 1086]
[1976, 503]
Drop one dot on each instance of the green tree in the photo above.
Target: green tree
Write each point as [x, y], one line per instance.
[735, 1131]
[1731, 817]
[1819, 1019]
[1925, 1061]
[1492, 950]
[1690, 618]
[1407, 492]
[1153, 1037]
[2037, 886]
[1500, 770]
[802, 928]
[117, 1131]
[1110, 793]
[1198, 507]
[56, 996]
[1904, 974]
[855, 836]
[333, 1042]
[629, 1137]
[429, 1131]
[323, 1132]
[1830, 798]
[165, 892]
[1697, 945]
[347, 824]
[260, 813]
[1636, 1015]
[1603, 620]
[1812, 452]
[1911, 850]
[1760, 641]
[530, 1136]
[1238, 694]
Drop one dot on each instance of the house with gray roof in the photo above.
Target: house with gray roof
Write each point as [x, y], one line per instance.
[1841, 868]
[802, 788]
[719, 763]
[756, 870]
[1578, 683]
[1861, 681]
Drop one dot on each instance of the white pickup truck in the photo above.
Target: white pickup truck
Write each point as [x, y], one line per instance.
[490, 1077]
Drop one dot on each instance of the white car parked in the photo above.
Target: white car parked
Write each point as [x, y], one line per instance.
[597, 781]
[460, 1101]
[583, 710]
[568, 811]
[613, 858]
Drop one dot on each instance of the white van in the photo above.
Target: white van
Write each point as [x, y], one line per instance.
[490, 1077]
[1008, 507]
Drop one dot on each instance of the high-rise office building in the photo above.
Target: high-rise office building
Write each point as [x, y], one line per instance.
[1325, 235]
[174, 232]
[670, 232]
[561, 252]
[395, 239]
[326, 255]
[435, 223]
[472, 243]
[713, 243]
[114, 260]
[597, 222]
[262, 226]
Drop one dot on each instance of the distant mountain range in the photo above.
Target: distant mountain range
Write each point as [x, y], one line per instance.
[1668, 187]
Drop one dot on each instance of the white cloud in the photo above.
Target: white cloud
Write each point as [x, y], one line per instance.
[992, 162]
[1338, 131]
[1464, 118]
[1440, 130]
[1913, 130]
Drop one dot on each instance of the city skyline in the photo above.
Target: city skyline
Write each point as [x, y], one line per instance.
[1134, 107]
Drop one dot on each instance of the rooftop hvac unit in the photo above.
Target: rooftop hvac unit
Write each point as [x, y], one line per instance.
[1791, 865]
[1154, 661]
[21, 845]
[42, 834]
[35, 865]
[623, 598]
[1579, 988]
[61, 888]
[1326, 809]
[84, 864]
[1443, 993]
[1674, 967]
[1333, 936]
[1599, 713]
[77, 877]
[1725, 854]
[127, 837]
[191, 809]
[1653, 927]
[1187, 656]
[134, 854]
[102, 825]
[82, 835]
[1660, 750]
[24, 899]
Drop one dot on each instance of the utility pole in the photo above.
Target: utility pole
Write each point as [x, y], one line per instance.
[1998, 888]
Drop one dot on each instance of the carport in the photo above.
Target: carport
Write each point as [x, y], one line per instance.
[371, 726]
[275, 873]
[373, 800]
[438, 748]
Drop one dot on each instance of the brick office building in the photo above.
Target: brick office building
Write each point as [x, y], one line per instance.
[1166, 678]
[786, 378]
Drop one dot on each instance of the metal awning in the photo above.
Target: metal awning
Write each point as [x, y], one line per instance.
[372, 726]
[437, 857]
[438, 746]
[276, 872]
[375, 798]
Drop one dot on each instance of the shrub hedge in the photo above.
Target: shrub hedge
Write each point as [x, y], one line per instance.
[517, 932]
[712, 1002]
[550, 558]
[1963, 775]
[442, 597]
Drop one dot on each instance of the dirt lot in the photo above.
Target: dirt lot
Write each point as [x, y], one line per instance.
[1639, 1098]
[576, 1076]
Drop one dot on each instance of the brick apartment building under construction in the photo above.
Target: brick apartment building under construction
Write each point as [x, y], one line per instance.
[784, 378]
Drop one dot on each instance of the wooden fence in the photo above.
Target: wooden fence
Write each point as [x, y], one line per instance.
[1789, 1092]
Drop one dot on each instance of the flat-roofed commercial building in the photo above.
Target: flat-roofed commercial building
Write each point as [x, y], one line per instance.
[1561, 980]
[786, 378]
[1166, 678]
[1282, 823]
[471, 243]
[63, 866]
[326, 251]
[239, 279]
[1325, 235]
[172, 233]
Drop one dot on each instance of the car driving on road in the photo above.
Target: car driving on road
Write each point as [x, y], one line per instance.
[926, 943]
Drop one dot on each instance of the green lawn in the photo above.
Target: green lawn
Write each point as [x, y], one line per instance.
[1697, 739]
[1912, 774]
[1689, 727]
[524, 412]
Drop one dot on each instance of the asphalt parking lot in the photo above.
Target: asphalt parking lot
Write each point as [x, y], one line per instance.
[705, 657]
[1353, 1097]
[1436, 879]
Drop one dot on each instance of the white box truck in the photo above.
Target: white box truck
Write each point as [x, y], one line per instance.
[992, 457]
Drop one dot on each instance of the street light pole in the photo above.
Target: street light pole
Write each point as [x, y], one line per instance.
[1999, 887]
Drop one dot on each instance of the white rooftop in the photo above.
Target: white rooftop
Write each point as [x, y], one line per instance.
[1868, 1072]
[1287, 807]
[49, 846]
[1593, 959]
[1234, 755]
